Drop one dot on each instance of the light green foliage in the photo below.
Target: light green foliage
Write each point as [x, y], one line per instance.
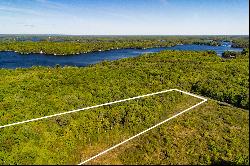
[39, 91]
[210, 134]
[66, 139]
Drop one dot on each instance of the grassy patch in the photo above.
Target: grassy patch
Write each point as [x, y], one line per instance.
[209, 134]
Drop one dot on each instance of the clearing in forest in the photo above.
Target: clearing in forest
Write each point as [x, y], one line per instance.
[81, 135]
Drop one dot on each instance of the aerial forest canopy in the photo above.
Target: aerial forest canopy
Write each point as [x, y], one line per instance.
[220, 125]
[242, 42]
[221, 129]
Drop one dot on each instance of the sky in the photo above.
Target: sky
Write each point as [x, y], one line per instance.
[125, 17]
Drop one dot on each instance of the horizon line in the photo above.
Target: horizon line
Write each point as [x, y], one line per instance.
[55, 34]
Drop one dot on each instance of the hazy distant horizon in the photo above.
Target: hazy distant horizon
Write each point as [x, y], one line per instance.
[122, 35]
[125, 17]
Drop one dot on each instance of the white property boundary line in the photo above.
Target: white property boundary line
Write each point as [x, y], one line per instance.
[96, 106]
[123, 142]
[110, 103]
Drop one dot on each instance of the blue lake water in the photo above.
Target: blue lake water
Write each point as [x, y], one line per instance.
[14, 60]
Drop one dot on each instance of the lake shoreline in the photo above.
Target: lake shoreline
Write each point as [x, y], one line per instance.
[55, 54]
[13, 59]
[139, 48]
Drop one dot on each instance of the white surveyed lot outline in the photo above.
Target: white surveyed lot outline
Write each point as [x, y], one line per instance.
[110, 103]
[137, 135]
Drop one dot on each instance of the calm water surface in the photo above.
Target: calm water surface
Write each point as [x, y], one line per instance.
[14, 60]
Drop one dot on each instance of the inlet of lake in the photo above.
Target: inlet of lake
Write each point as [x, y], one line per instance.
[12, 60]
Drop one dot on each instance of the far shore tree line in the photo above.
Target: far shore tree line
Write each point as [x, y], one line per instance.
[63, 45]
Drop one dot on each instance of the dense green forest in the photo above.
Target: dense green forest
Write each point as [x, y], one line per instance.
[212, 133]
[233, 54]
[241, 42]
[69, 48]
[209, 135]
[68, 45]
